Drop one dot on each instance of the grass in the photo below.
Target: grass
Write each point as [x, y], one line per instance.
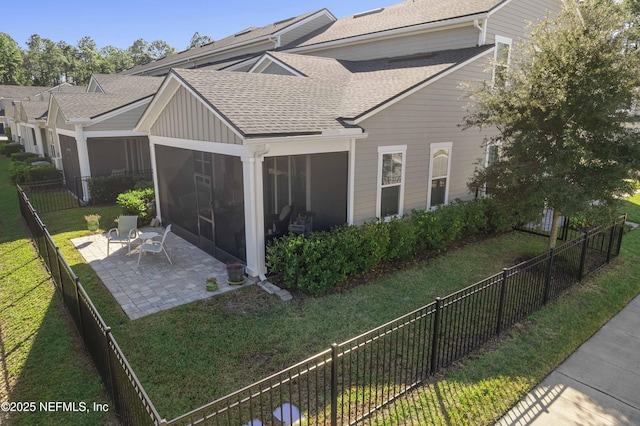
[481, 389]
[41, 357]
[192, 354]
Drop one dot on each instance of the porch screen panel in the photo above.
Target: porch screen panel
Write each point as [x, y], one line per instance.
[228, 200]
[178, 199]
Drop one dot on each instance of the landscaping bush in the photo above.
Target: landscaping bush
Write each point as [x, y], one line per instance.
[105, 189]
[26, 157]
[138, 202]
[317, 263]
[42, 173]
[10, 148]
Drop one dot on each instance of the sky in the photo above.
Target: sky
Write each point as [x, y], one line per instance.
[119, 23]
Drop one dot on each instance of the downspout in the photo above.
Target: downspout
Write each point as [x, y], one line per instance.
[259, 156]
[482, 37]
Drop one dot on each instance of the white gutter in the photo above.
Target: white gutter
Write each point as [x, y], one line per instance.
[326, 135]
[389, 33]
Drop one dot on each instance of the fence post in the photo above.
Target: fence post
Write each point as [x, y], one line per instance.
[503, 293]
[78, 196]
[435, 341]
[334, 384]
[620, 233]
[583, 256]
[81, 323]
[612, 235]
[547, 280]
[110, 371]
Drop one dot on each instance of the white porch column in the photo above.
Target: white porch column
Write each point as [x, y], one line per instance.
[351, 181]
[254, 212]
[154, 168]
[83, 159]
[250, 223]
[39, 143]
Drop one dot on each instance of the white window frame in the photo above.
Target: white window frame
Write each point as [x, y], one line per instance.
[433, 148]
[501, 40]
[391, 149]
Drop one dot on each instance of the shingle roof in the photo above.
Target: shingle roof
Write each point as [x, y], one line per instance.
[330, 91]
[91, 105]
[401, 15]
[118, 84]
[261, 104]
[240, 37]
[35, 109]
[19, 92]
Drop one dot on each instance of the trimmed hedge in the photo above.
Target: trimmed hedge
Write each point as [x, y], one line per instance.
[21, 171]
[10, 148]
[318, 263]
[105, 189]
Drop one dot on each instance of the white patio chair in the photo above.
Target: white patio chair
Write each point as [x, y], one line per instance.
[152, 246]
[126, 232]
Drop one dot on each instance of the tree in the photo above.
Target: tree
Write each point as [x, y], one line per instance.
[43, 61]
[198, 40]
[143, 52]
[12, 70]
[117, 59]
[560, 116]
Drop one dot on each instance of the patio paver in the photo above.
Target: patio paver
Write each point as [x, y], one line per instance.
[156, 285]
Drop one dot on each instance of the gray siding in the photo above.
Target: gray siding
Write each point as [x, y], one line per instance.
[125, 121]
[185, 117]
[431, 115]
[275, 69]
[456, 38]
[508, 20]
[60, 124]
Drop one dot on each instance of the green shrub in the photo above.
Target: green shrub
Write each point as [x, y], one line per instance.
[318, 263]
[138, 202]
[10, 148]
[18, 171]
[403, 240]
[43, 173]
[26, 157]
[105, 189]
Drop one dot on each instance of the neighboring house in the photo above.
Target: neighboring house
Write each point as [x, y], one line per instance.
[9, 96]
[246, 44]
[356, 120]
[93, 133]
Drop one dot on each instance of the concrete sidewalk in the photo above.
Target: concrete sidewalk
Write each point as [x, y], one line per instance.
[599, 384]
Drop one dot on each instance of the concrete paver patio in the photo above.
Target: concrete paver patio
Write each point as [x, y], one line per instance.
[156, 284]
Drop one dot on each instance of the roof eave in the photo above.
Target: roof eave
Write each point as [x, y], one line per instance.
[391, 33]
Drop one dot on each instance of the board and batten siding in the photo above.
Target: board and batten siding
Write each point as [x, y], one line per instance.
[431, 115]
[186, 117]
[452, 38]
[512, 19]
[60, 124]
[125, 121]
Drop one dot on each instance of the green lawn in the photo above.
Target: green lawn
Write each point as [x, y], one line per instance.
[190, 355]
[479, 390]
[41, 357]
[193, 354]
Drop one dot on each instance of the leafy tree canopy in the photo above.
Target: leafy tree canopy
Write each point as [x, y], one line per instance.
[562, 114]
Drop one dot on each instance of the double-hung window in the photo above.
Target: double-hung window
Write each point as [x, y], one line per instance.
[502, 58]
[439, 170]
[391, 172]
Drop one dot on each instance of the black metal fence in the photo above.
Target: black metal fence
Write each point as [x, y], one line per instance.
[130, 400]
[69, 193]
[349, 381]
